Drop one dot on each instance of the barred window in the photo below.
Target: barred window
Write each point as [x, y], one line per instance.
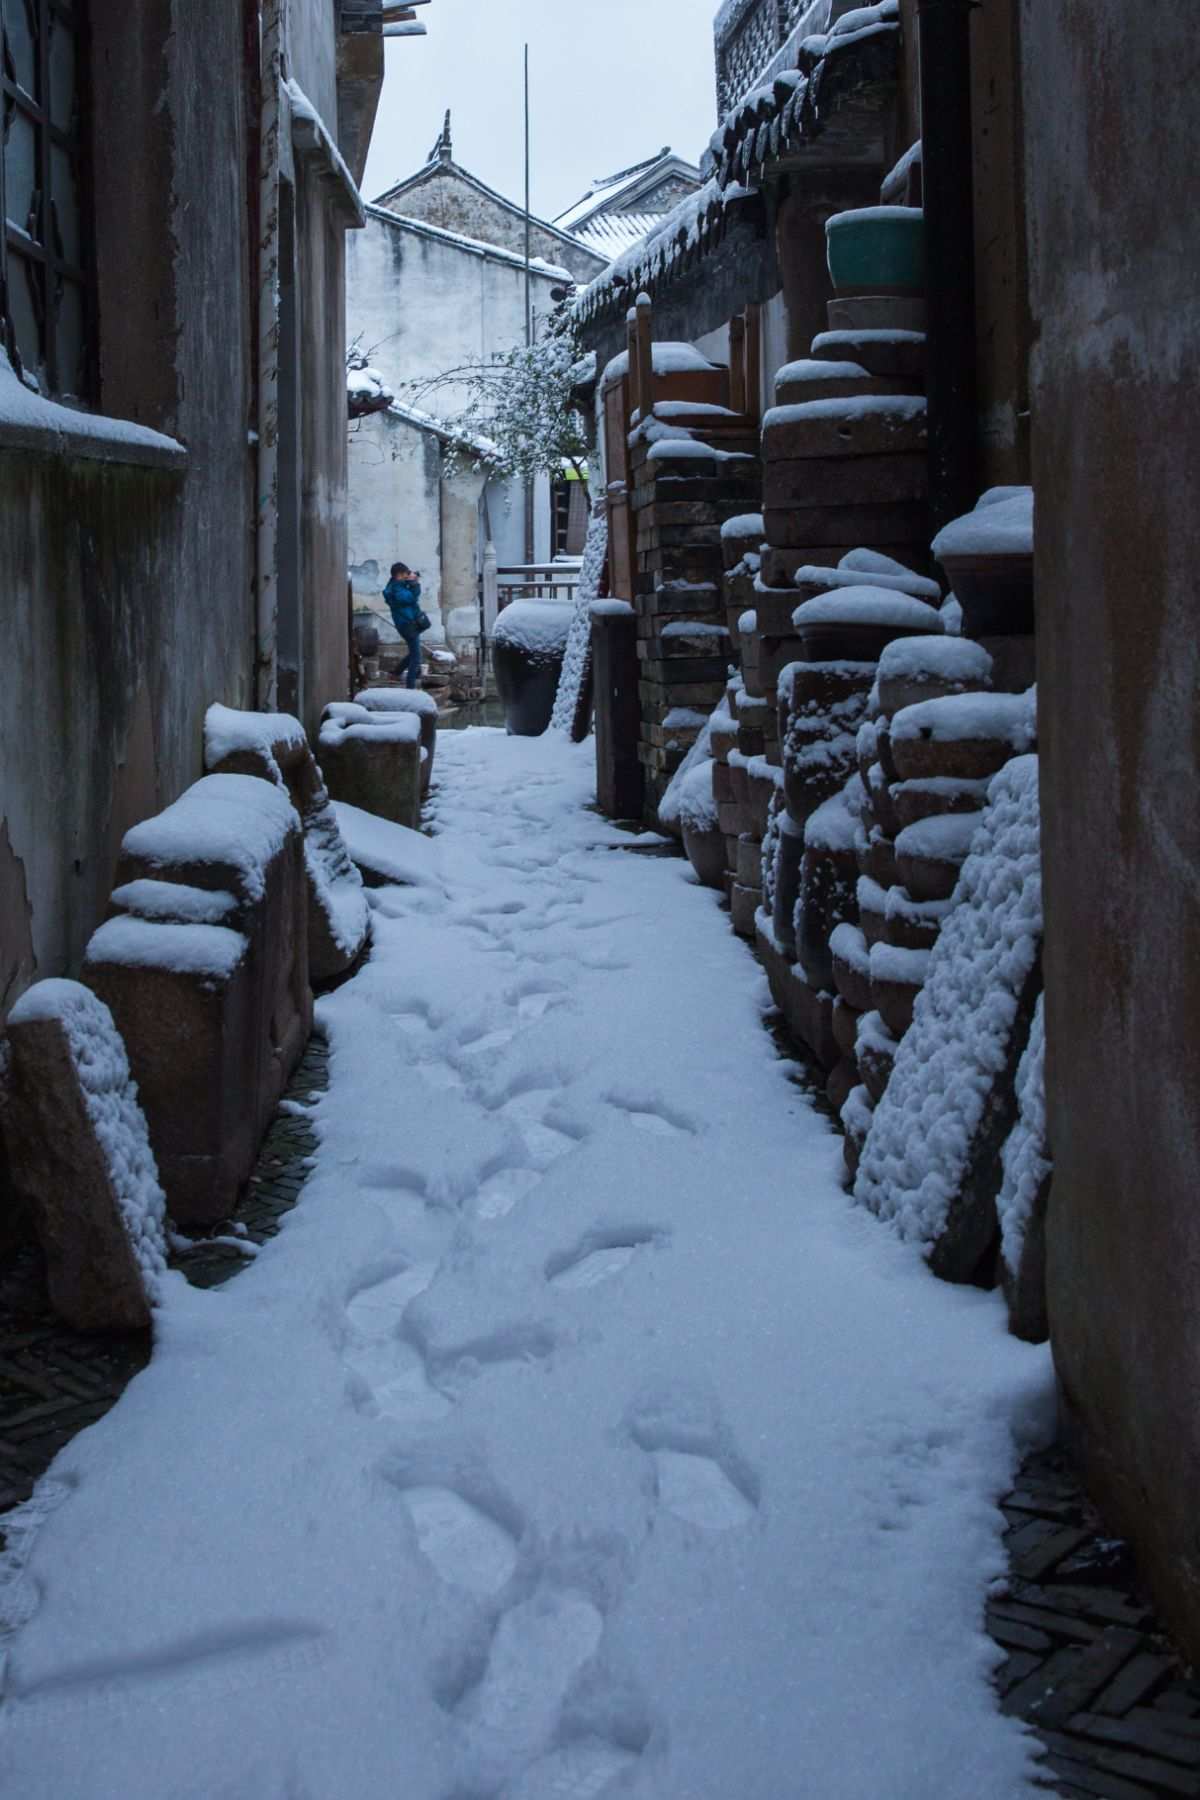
[47, 299]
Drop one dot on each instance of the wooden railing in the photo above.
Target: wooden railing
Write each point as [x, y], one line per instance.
[538, 581]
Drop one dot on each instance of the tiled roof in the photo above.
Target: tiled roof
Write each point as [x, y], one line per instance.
[835, 82]
[611, 233]
[610, 191]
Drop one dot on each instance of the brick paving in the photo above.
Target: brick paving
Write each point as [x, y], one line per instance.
[54, 1382]
[1087, 1666]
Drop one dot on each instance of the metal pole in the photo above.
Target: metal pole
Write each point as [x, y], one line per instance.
[529, 543]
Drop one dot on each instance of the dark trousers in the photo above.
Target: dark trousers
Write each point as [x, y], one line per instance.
[412, 668]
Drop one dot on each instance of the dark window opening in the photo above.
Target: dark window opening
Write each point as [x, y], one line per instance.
[47, 290]
[569, 517]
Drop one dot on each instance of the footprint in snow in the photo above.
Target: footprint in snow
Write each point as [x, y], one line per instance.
[467, 1548]
[698, 1476]
[391, 1378]
[600, 1256]
[538, 1649]
[579, 1772]
[499, 1192]
[652, 1116]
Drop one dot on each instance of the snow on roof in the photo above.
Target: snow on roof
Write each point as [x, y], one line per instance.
[474, 246]
[445, 166]
[610, 190]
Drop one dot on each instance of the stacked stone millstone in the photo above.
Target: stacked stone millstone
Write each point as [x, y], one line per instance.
[822, 702]
[686, 484]
[741, 548]
[935, 738]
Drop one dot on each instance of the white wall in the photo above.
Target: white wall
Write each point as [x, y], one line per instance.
[422, 305]
[395, 479]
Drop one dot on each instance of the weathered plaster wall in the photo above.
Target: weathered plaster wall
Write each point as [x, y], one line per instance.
[321, 242]
[312, 54]
[126, 603]
[395, 477]
[442, 197]
[1110, 149]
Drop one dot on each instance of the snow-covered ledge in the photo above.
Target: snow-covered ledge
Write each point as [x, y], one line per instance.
[313, 139]
[29, 422]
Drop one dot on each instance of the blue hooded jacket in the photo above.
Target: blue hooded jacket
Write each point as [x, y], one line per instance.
[404, 602]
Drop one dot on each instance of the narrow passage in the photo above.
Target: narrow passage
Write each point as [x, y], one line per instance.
[576, 1437]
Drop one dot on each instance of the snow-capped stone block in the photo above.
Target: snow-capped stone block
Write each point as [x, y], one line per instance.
[964, 737]
[211, 997]
[897, 977]
[80, 1156]
[930, 853]
[828, 881]
[410, 700]
[932, 1160]
[927, 668]
[851, 966]
[858, 426]
[811, 579]
[374, 763]
[875, 1052]
[814, 378]
[274, 748]
[916, 800]
[188, 1001]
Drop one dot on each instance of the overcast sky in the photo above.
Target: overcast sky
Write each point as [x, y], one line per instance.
[612, 81]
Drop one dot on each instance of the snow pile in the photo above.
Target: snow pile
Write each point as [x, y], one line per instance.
[393, 700]
[668, 358]
[904, 408]
[1025, 1158]
[385, 850]
[940, 657]
[865, 604]
[865, 18]
[237, 821]
[746, 525]
[1001, 525]
[942, 837]
[952, 616]
[671, 804]
[373, 728]
[110, 1098]
[697, 803]
[833, 825]
[228, 731]
[212, 952]
[539, 628]
[174, 901]
[55, 428]
[917, 1152]
[846, 575]
[955, 718]
[367, 392]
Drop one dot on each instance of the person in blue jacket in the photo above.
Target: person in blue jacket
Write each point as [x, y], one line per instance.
[403, 595]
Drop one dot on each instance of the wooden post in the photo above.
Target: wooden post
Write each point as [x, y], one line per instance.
[645, 354]
[631, 345]
[754, 362]
[737, 363]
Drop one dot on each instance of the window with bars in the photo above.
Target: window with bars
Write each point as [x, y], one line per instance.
[47, 299]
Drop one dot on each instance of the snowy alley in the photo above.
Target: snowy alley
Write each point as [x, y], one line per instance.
[576, 1437]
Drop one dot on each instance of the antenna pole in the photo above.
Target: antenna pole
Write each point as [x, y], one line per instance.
[529, 532]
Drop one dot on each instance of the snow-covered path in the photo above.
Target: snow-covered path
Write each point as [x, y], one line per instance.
[575, 1438]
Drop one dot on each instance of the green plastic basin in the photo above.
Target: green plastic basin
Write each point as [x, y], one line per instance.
[877, 246]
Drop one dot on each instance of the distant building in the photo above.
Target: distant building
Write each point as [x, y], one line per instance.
[619, 209]
[436, 282]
